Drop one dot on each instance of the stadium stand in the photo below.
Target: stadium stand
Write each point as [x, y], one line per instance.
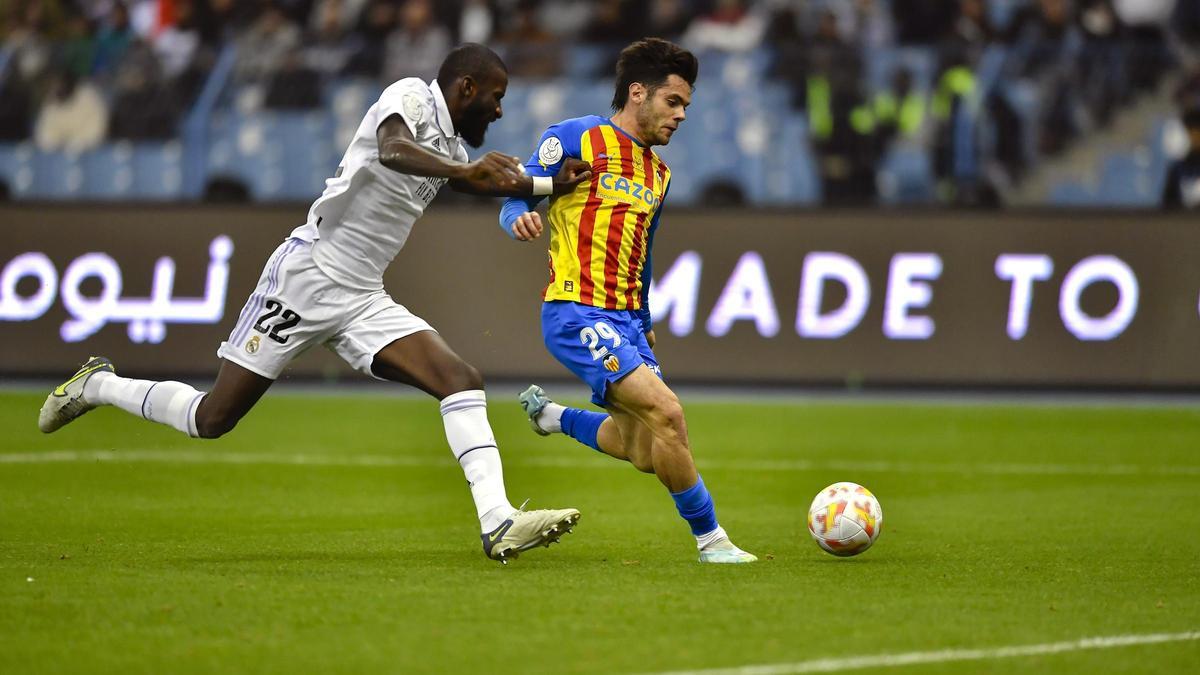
[797, 103]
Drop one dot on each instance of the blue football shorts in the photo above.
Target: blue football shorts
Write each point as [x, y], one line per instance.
[598, 345]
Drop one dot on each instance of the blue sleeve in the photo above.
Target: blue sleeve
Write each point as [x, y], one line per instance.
[648, 267]
[513, 208]
[557, 143]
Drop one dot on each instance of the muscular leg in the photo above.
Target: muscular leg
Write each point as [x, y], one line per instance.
[425, 361]
[177, 404]
[234, 393]
[644, 426]
[624, 436]
[644, 397]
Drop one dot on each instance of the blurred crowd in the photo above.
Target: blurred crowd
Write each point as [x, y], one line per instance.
[1079, 61]
[76, 72]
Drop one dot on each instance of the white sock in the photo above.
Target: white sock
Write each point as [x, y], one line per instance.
[550, 419]
[709, 538]
[171, 403]
[470, 436]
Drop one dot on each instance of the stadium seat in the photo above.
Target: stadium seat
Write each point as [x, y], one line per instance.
[905, 177]
[108, 172]
[790, 168]
[1072, 194]
[306, 149]
[1128, 181]
[586, 61]
[277, 155]
[588, 98]
[351, 97]
[157, 170]
[240, 149]
[1159, 144]
[56, 175]
[15, 167]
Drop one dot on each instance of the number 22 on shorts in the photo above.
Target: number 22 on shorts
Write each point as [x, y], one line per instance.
[290, 319]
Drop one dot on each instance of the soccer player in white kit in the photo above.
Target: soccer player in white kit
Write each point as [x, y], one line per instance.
[324, 285]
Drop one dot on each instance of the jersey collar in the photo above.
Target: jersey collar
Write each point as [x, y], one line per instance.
[626, 134]
[441, 110]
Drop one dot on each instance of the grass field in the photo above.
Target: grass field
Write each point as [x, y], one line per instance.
[336, 535]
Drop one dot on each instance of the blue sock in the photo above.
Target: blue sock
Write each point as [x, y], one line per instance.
[583, 425]
[695, 505]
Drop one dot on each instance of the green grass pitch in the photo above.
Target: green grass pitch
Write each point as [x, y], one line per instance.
[336, 535]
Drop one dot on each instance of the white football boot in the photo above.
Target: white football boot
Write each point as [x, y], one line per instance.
[524, 530]
[723, 551]
[66, 402]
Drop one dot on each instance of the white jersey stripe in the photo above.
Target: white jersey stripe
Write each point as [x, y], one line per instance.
[258, 300]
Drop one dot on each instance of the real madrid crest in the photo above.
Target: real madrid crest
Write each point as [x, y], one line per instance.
[252, 345]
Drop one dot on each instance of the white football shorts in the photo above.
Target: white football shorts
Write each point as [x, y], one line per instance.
[296, 306]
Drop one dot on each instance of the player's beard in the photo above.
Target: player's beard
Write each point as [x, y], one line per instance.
[475, 122]
[651, 125]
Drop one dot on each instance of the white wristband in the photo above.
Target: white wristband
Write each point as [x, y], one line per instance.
[542, 186]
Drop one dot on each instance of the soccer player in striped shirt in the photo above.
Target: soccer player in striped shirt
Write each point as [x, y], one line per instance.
[595, 319]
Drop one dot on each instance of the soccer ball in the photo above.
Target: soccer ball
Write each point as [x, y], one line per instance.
[845, 519]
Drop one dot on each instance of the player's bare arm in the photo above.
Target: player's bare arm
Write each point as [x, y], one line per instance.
[494, 174]
[572, 173]
[399, 151]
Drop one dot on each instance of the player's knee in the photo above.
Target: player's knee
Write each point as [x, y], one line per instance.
[215, 421]
[666, 417]
[462, 377]
[472, 378]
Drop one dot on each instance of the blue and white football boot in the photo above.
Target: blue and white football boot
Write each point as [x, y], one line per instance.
[533, 401]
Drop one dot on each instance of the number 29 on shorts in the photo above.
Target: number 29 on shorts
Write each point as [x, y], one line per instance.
[591, 336]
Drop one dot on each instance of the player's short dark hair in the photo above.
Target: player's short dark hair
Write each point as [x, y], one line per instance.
[469, 59]
[651, 61]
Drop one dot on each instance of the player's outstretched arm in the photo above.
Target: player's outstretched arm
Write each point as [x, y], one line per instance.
[494, 174]
[572, 173]
[399, 151]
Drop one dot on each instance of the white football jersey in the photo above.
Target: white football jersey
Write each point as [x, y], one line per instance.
[363, 218]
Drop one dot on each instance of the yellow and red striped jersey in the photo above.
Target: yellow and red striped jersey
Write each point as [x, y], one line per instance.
[601, 233]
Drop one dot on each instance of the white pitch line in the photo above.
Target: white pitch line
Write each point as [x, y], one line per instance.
[205, 457]
[946, 655]
[516, 459]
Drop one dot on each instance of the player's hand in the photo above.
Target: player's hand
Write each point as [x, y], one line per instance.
[495, 169]
[570, 174]
[650, 338]
[528, 226]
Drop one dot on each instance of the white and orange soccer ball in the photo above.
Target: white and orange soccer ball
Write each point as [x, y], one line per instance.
[845, 519]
